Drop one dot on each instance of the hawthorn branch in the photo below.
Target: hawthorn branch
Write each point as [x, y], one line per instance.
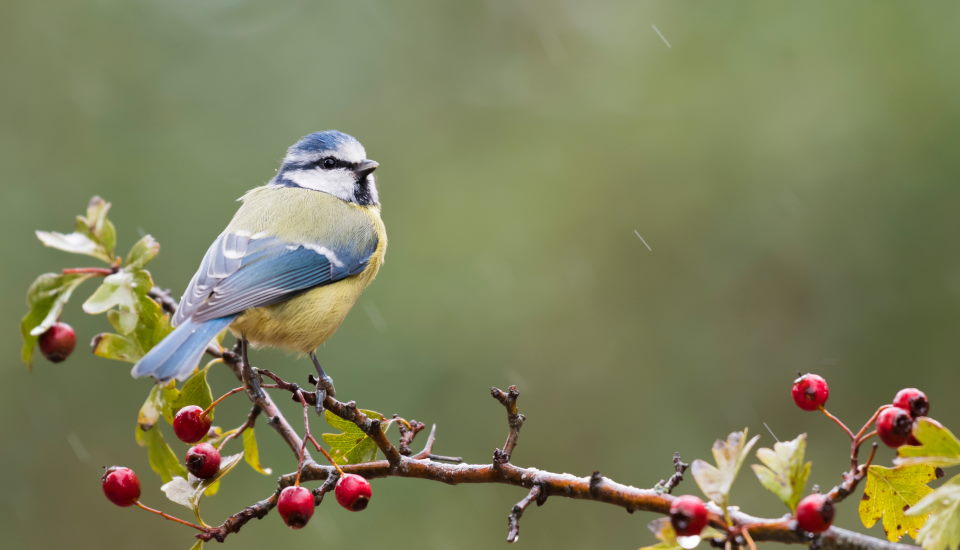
[679, 467]
[540, 484]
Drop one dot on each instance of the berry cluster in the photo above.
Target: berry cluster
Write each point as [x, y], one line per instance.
[894, 426]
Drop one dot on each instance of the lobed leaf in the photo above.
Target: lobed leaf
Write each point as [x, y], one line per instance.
[890, 492]
[715, 481]
[784, 473]
[162, 459]
[938, 446]
[942, 529]
[251, 452]
[46, 299]
[352, 446]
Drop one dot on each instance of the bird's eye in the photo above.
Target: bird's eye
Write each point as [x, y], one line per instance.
[329, 163]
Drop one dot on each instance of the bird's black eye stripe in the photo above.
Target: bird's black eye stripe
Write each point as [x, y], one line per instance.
[331, 163]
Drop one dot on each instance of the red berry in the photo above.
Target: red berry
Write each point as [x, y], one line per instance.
[57, 342]
[203, 460]
[190, 425]
[894, 426]
[353, 492]
[688, 515]
[295, 506]
[120, 485]
[815, 513]
[912, 400]
[810, 391]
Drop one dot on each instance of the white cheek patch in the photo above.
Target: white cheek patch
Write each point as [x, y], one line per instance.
[339, 183]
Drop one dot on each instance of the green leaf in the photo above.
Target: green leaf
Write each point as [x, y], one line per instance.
[116, 346]
[187, 490]
[664, 532]
[197, 545]
[938, 446]
[157, 405]
[46, 299]
[162, 459]
[153, 325]
[251, 453]
[715, 481]
[784, 473]
[142, 252]
[942, 529]
[352, 446]
[890, 492]
[195, 391]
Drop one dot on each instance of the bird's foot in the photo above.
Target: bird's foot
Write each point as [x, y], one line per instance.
[323, 383]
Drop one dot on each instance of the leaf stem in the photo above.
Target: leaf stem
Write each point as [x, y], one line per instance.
[102, 271]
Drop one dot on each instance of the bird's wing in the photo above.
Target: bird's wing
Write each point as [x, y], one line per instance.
[242, 271]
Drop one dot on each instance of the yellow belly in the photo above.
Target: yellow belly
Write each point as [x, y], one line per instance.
[304, 322]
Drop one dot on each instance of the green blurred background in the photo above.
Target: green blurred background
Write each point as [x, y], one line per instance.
[792, 165]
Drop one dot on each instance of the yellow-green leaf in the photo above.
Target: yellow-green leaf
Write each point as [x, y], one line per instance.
[938, 446]
[96, 226]
[157, 405]
[162, 459]
[942, 529]
[784, 473]
[46, 299]
[251, 453]
[197, 545]
[116, 346]
[890, 492]
[115, 291]
[352, 446]
[715, 481]
[142, 252]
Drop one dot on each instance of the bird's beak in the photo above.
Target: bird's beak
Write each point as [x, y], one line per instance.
[366, 167]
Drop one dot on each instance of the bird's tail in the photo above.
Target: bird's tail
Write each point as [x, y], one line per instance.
[178, 354]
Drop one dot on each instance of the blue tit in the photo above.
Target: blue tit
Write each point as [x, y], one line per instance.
[291, 263]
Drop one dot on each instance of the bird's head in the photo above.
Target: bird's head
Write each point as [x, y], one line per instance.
[330, 162]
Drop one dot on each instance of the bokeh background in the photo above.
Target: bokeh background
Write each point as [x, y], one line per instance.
[793, 168]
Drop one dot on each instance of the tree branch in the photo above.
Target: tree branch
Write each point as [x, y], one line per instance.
[540, 484]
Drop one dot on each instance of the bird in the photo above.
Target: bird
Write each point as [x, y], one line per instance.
[289, 266]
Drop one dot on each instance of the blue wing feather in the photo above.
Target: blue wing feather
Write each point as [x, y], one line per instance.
[241, 272]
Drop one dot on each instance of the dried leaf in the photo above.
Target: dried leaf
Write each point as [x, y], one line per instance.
[715, 481]
[188, 490]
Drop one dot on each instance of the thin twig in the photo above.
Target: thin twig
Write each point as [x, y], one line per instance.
[514, 420]
[679, 468]
[513, 519]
